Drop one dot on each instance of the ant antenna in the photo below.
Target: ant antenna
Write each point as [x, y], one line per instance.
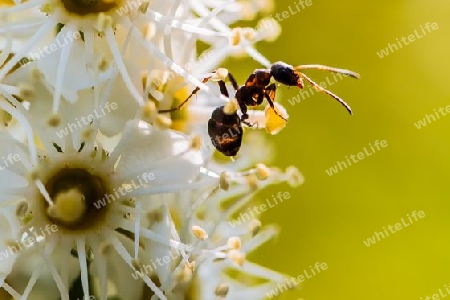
[327, 68]
[319, 88]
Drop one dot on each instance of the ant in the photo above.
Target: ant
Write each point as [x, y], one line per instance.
[257, 87]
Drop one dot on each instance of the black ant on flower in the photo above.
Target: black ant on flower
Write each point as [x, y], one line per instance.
[258, 86]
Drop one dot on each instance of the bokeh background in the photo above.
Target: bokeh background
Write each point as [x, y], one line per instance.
[328, 218]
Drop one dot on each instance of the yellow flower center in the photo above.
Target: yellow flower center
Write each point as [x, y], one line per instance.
[75, 193]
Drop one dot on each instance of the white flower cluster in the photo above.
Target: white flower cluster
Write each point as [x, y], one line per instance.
[105, 196]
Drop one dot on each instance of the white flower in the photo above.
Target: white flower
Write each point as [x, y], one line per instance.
[86, 193]
[220, 247]
[99, 40]
[102, 190]
[126, 209]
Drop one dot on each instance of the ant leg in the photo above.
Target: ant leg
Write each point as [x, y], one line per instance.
[300, 83]
[251, 125]
[269, 93]
[327, 68]
[194, 92]
[223, 88]
[271, 88]
[233, 81]
[319, 88]
[240, 95]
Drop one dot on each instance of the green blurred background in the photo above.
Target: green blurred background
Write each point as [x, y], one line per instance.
[328, 218]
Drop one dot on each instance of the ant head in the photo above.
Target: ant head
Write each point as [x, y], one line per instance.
[284, 73]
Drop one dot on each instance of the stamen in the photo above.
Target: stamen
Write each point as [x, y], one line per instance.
[100, 262]
[54, 120]
[231, 107]
[17, 114]
[60, 73]
[168, 62]
[21, 209]
[234, 243]
[9, 289]
[26, 91]
[23, 6]
[157, 17]
[168, 31]
[199, 233]
[127, 258]
[238, 257]
[64, 293]
[254, 226]
[81, 247]
[31, 282]
[163, 122]
[262, 171]
[137, 227]
[222, 290]
[220, 74]
[121, 66]
[224, 181]
[294, 177]
[44, 192]
[39, 35]
[252, 182]
[205, 20]
[196, 143]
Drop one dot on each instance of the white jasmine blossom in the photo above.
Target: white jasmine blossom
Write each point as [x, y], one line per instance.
[93, 41]
[173, 205]
[80, 190]
[220, 249]
[103, 190]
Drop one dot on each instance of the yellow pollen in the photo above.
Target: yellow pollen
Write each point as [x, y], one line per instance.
[54, 121]
[234, 243]
[222, 290]
[254, 226]
[235, 38]
[231, 107]
[199, 233]
[224, 181]
[274, 123]
[220, 74]
[262, 172]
